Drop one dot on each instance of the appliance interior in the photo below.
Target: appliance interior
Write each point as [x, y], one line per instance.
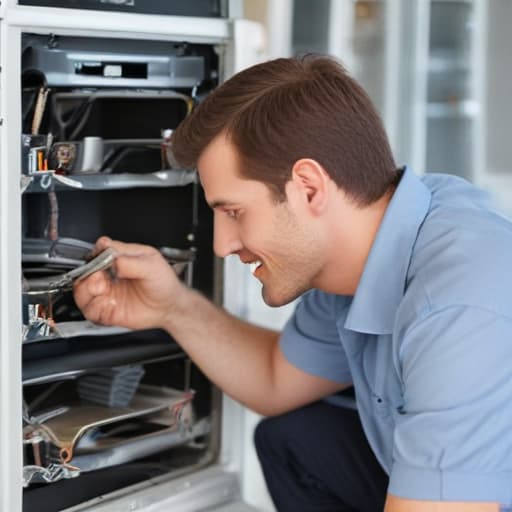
[106, 408]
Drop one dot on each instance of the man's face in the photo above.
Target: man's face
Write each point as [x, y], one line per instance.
[278, 240]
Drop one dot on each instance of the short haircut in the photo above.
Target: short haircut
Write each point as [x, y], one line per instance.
[286, 109]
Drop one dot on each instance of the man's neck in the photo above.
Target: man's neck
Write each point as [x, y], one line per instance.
[354, 230]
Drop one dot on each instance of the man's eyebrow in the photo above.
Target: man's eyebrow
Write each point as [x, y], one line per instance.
[221, 203]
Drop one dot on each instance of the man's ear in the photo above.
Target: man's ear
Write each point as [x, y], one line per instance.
[313, 182]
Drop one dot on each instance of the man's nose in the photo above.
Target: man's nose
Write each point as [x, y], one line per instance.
[226, 239]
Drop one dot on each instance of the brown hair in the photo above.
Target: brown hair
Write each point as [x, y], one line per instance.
[280, 111]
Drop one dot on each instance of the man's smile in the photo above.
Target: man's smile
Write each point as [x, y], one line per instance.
[254, 266]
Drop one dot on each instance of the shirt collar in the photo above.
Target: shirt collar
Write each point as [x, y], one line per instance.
[382, 284]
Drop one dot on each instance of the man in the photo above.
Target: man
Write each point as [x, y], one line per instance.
[405, 293]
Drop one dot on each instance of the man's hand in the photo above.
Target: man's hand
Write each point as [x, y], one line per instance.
[243, 360]
[140, 296]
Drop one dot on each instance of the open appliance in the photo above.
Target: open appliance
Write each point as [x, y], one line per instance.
[110, 419]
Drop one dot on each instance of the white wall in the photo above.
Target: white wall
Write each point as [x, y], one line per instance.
[243, 297]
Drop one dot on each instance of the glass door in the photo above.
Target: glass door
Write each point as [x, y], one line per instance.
[452, 109]
[364, 35]
[496, 157]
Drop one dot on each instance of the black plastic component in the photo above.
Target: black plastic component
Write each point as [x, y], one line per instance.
[86, 353]
[204, 8]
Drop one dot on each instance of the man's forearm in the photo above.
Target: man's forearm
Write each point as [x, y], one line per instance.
[396, 504]
[235, 355]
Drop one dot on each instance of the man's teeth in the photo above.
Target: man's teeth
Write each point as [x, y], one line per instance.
[254, 265]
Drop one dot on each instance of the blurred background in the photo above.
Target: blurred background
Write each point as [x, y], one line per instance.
[439, 71]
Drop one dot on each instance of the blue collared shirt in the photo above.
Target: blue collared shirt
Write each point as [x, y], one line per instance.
[427, 342]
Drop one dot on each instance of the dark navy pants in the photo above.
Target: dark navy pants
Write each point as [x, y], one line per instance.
[317, 459]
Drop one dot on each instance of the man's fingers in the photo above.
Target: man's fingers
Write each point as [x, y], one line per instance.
[100, 310]
[105, 242]
[95, 285]
[93, 296]
[133, 261]
[137, 266]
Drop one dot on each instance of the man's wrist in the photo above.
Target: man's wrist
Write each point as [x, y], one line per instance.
[181, 306]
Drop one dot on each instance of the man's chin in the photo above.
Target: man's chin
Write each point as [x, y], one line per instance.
[278, 300]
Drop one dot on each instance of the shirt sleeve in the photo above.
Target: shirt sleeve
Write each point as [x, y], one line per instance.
[453, 435]
[310, 339]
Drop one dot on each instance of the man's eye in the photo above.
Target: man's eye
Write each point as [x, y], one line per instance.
[232, 213]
